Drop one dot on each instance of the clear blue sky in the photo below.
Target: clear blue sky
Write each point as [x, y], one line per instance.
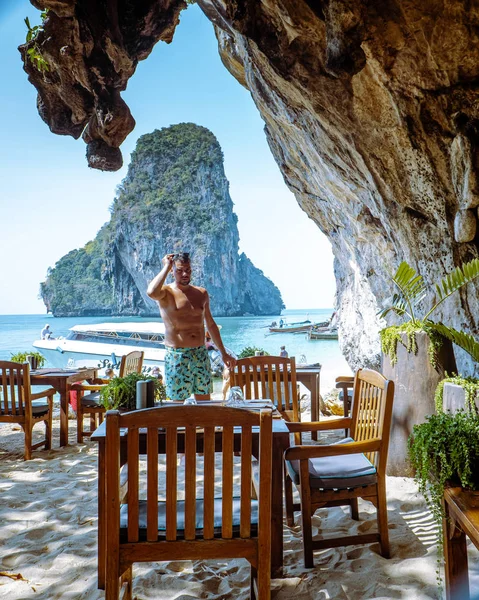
[51, 202]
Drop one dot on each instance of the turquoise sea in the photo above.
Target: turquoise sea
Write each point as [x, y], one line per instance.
[17, 332]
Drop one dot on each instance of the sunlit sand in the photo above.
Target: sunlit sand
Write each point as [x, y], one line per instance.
[48, 520]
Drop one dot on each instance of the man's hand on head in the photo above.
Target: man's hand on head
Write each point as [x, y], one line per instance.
[229, 360]
[168, 260]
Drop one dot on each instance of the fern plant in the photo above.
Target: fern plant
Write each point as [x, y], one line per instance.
[407, 300]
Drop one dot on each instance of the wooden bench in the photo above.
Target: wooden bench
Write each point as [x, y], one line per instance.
[462, 519]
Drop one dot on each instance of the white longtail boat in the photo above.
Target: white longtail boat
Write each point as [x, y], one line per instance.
[102, 345]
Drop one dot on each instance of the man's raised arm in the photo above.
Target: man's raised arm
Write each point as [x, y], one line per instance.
[156, 288]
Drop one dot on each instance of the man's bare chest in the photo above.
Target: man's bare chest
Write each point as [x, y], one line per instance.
[189, 302]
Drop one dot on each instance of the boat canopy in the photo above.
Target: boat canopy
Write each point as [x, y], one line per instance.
[151, 327]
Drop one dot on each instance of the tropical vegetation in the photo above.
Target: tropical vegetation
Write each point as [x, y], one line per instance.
[251, 351]
[167, 171]
[34, 53]
[469, 384]
[445, 451]
[407, 302]
[80, 281]
[120, 392]
[22, 357]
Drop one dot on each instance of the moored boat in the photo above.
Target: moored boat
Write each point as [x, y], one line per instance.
[290, 327]
[102, 345]
[322, 333]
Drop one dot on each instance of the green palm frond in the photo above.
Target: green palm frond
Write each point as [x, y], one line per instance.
[410, 284]
[461, 339]
[395, 304]
[455, 280]
[411, 290]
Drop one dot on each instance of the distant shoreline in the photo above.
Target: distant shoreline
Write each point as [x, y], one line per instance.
[154, 316]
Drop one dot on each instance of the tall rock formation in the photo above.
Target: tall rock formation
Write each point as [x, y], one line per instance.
[371, 111]
[174, 198]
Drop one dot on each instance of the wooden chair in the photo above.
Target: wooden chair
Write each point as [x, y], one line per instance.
[345, 384]
[338, 474]
[269, 377]
[19, 405]
[90, 403]
[196, 528]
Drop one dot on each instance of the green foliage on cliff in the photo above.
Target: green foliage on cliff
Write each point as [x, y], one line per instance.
[169, 169]
[77, 283]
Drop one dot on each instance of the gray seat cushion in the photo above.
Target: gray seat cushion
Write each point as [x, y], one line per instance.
[336, 472]
[39, 408]
[93, 399]
[181, 517]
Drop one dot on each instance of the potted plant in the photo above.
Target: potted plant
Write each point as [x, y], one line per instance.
[35, 359]
[456, 392]
[418, 353]
[120, 392]
[444, 451]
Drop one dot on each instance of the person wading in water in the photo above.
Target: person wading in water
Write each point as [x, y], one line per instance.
[185, 309]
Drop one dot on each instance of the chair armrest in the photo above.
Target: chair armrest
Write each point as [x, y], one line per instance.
[43, 394]
[305, 452]
[343, 423]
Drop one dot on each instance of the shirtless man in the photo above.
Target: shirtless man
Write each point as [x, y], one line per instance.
[185, 309]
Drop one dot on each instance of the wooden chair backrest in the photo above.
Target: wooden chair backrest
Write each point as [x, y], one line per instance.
[373, 397]
[15, 389]
[189, 429]
[269, 377]
[131, 363]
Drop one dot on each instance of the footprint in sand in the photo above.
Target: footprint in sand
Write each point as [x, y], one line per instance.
[361, 565]
[356, 553]
[38, 534]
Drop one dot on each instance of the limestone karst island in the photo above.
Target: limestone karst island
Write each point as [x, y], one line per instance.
[176, 427]
[175, 198]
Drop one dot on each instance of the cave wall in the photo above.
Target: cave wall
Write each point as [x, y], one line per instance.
[370, 110]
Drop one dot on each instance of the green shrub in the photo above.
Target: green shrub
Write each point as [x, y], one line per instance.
[445, 451]
[251, 351]
[21, 357]
[120, 392]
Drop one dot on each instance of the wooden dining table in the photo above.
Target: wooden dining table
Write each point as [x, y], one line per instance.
[281, 441]
[61, 380]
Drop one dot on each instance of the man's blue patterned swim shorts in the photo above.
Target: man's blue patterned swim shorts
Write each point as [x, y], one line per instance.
[187, 371]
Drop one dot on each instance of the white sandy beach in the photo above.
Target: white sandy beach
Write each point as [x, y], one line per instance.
[48, 525]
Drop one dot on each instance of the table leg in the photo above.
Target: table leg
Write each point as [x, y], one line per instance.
[455, 559]
[280, 443]
[101, 516]
[63, 391]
